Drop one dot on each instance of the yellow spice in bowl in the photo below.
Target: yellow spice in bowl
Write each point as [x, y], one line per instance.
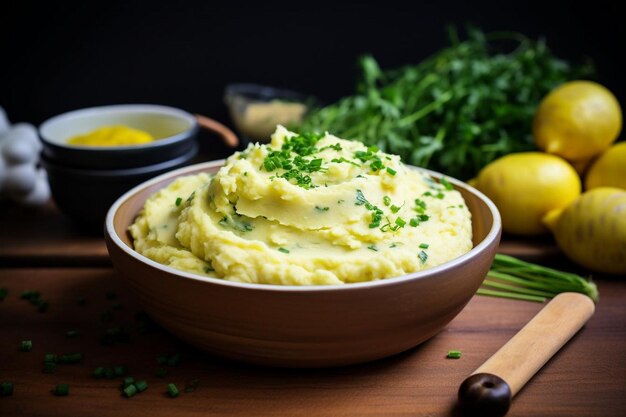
[118, 135]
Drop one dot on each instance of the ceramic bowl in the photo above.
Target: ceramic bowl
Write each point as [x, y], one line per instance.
[175, 130]
[85, 195]
[301, 326]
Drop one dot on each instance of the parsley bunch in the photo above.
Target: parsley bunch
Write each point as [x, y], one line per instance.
[456, 111]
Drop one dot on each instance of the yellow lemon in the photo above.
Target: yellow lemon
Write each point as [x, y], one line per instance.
[609, 170]
[592, 230]
[525, 186]
[577, 120]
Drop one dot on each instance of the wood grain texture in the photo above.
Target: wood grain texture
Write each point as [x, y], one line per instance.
[522, 356]
[586, 378]
[44, 236]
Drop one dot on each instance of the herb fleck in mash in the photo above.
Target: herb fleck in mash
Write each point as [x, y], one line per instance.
[305, 210]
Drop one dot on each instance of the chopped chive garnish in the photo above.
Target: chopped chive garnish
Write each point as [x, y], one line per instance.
[439, 195]
[454, 354]
[386, 200]
[50, 357]
[414, 222]
[81, 301]
[161, 373]
[391, 171]
[423, 217]
[29, 295]
[424, 245]
[318, 208]
[446, 184]
[283, 250]
[49, 367]
[400, 222]
[98, 372]
[120, 370]
[71, 333]
[360, 198]
[423, 256]
[394, 209]
[70, 358]
[172, 391]
[6, 389]
[130, 390]
[178, 201]
[61, 390]
[373, 247]
[128, 381]
[26, 345]
[141, 385]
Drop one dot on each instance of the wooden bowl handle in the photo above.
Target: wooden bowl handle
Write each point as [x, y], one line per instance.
[226, 135]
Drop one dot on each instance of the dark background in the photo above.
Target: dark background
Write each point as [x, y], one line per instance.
[62, 56]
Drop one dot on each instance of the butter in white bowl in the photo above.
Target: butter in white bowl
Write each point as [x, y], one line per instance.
[305, 210]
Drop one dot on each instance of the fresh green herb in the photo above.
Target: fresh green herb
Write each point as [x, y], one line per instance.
[178, 201]
[360, 198]
[26, 345]
[235, 224]
[347, 161]
[400, 222]
[98, 372]
[439, 195]
[208, 269]
[318, 208]
[71, 358]
[386, 200]
[49, 367]
[424, 245]
[336, 146]
[414, 222]
[130, 391]
[512, 278]
[423, 217]
[141, 385]
[128, 381]
[61, 390]
[454, 354]
[120, 370]
[373, 247]
[391, 171]
[30, 295]
[6, 389]
[456, 111]
[394, 209]
[283, 250]
[172, 391]
[423, 256]
[50, 357]
[420, 205]
[446, 184]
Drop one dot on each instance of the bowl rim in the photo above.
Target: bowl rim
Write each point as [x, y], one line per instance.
[492, 235]
[157, 109]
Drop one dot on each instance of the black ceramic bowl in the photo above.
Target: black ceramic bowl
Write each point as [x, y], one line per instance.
[174, 129]
[85, 195]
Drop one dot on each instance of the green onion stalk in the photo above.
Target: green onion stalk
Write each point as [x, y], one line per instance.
[513, 278]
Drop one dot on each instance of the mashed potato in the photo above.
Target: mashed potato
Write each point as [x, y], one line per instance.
[305, 210]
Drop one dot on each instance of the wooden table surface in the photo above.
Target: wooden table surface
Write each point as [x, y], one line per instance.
[586, 378]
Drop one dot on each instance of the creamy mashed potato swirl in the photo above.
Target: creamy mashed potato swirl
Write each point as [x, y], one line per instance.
[305, 210]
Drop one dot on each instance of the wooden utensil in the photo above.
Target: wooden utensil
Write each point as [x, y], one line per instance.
[490, 389]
